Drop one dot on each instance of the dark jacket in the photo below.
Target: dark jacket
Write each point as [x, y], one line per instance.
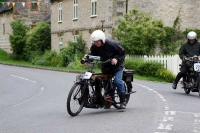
[189, 50]
[109, 50]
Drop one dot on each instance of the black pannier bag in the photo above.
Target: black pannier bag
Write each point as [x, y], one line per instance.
[128, 75]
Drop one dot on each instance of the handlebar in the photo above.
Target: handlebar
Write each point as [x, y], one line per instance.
[91, 58]
[194, 58]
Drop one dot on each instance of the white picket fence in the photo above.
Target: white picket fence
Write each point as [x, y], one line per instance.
[171, 63]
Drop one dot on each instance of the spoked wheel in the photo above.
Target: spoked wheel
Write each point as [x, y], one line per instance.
[187, 90]
[199, 89]
[116, 99]
[75, 99]
[198, 81]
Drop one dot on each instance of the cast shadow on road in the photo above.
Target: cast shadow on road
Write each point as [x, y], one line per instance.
[111, 111]
[192, 94]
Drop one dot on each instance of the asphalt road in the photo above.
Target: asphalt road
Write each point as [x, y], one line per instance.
[34, 101]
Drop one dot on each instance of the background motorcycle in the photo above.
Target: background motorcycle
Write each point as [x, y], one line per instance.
[88, 90]
[191, 81]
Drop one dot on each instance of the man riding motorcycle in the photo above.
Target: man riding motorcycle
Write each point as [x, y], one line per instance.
[109, 49]
[188, 49]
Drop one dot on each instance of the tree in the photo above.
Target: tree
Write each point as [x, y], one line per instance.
[173, 39]
[38, 40]
[138, 33]
[18, 39]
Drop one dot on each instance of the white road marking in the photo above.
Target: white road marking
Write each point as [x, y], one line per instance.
[29, 99]
[23, 78]
[166, 125]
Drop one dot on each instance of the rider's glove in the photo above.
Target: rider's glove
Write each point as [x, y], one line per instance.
[183, 58]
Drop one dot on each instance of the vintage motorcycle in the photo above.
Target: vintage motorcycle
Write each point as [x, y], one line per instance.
[88, 90]
[191, 80]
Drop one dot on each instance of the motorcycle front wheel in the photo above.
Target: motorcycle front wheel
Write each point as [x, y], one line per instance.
[198, 81]
[116, 100]
[187, 91]
[75, 99]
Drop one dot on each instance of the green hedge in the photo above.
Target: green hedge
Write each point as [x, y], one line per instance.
[149, 69]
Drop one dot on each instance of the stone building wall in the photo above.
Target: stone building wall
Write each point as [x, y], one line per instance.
[85, 24]
[24, 13]
[5, 30]
[111, 10]
[168, 10]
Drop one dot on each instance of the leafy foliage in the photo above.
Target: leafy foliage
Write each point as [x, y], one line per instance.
[73, 51]
[165, 74]
[38, 40]
[149, 68]
[133, 64]
[18, 39]
[195, 30]
[173, 39]
[49, 58]
[138, 33]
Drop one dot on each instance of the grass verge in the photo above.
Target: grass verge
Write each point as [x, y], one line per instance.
[5, 59]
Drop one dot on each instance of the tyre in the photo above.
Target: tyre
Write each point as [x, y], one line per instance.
[116, 100]
[187, 91]
[189, 80]
[198, 81]
[199, 89]
[75, 99]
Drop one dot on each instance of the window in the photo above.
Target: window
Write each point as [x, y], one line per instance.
[60, 12]
[94, 7]
[75, 38]
[32, 26]
[75, 16]
[34, 6]
[60, 42]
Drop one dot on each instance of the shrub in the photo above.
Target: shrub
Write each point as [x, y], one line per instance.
[18, 39]
[149, 68]
[76, 63]
[56, 61]
[49, 58]
[73, 51]
[38, 39]
[65, 55]
[165, 74]
[133, 64]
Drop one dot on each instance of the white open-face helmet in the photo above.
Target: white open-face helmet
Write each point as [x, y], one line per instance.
[98, 35]
[191, 35]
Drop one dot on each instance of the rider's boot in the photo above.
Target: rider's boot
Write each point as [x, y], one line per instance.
[174, 85]
[122, 101]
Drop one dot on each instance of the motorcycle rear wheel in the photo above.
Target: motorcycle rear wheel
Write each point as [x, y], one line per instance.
[116, 100]
[75, 99]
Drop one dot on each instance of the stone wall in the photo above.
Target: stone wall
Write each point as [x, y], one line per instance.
[85, 24]
[111, 10]
[5, 30]
[168, 10]
[24, 13]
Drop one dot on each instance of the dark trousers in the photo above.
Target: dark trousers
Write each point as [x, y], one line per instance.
[182, 73]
